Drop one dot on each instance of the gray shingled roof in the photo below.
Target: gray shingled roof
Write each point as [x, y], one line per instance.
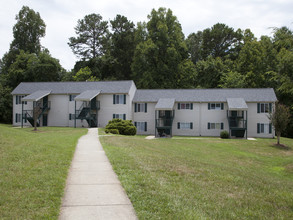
[73, 87]
[236, 104]
[87, 95]
[165, 104]
[206, 95]
[36, 96]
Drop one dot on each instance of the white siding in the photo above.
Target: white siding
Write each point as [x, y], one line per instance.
[254, 118]
[148, 117]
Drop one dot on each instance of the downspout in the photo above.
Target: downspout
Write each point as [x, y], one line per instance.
[246, 124]
[22, 114]
[74, 113]
[199, 119]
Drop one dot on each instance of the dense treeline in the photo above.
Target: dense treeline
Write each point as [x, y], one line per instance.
[155, 54]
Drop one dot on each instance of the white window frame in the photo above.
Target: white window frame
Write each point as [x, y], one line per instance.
[140, 107]
[215, 126]
[140, 126]
[264, 128]
[119, 116]
[185, 125]
[264, 108]
[119, 99]
[215, 106]
[185, 106]
[19, 99]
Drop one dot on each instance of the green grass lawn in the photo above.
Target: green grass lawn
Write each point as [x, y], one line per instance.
[204, 178]
[33, 170]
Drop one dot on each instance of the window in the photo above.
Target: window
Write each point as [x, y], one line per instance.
[71, 116]
[17, 118]
[185, 125]
[263, 128]
[71, 97]
[217, 126]
[140, 107]
[215, 106]
[119, 99]
[185, 106]
[120, 116]
[264, 107]
[18, 99]
[141, 126]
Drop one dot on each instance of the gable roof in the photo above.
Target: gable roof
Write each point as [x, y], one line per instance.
[236, 104]
[206, 95]
[87, 95]
[73, 87]
[36, 96]
[165, 104]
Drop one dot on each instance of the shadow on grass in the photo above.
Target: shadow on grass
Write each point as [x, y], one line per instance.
[281, 147]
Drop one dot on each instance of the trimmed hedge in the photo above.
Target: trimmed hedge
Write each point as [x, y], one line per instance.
[119, 126]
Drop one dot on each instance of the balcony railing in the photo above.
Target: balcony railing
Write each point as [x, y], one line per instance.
[162, 122]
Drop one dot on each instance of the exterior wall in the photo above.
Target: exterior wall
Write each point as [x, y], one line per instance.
[212, 116]
[186, 115]
[17, 109]
[148, 117]
[107, 109]
[254, 118]
[58, 113]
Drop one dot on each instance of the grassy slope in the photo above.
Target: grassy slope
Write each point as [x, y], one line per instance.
[33, 169]
[204, 178]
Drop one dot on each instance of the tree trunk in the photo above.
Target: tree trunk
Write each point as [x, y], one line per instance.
[278, 137]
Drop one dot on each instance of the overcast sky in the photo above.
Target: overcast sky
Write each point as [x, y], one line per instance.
[61, 17]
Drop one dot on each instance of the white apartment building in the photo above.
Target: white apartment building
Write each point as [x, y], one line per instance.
[163, 112]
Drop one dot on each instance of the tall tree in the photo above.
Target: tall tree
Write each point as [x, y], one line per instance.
[27, 33]
[280, 119]
[217, 41]
[158, 57]
[122, 46]
[30, 67]
[92, 37]
[28, 30]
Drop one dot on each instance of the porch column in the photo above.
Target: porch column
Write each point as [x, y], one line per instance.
[75, 114]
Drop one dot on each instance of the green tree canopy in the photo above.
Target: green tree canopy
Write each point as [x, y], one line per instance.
[159, 55]
[122, 46]
[92, 37]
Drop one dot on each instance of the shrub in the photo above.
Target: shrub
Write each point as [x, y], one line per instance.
[130, 130]
[224, 134]
[124, 127]
[112, 131]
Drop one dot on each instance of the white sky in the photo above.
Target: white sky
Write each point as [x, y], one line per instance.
[61, 17]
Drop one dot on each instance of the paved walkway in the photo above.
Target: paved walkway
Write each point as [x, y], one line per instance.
[93, 190]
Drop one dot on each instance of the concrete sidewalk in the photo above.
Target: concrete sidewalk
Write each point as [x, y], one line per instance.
[93, 190]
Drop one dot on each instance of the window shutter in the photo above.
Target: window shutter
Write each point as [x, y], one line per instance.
[209, 106]
[270, 107]
[113, 116]
[191, 106]
[191, 125]
[16, 118]
[135, 107]
[124, 116]
[135, 124]
[124, 99]
[178, 106]
[69, 116]
[114, 99]
[145, 126]
[222, 106]
[270, 128]
[222, 126]
[146, 107]
[258, 107]
[258, 128]
[178, 125]
[209, 125]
